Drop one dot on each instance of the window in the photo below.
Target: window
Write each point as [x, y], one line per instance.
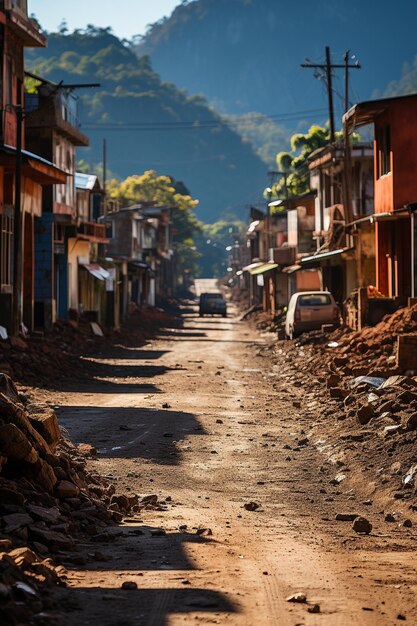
[316, 299]
[384, 151]
[6, 246]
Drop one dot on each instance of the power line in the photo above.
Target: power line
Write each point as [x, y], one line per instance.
[200, 124]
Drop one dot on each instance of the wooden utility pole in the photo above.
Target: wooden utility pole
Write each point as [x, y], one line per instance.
[328, 66]
[105, 175]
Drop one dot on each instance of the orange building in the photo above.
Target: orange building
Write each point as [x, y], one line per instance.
[395, 181]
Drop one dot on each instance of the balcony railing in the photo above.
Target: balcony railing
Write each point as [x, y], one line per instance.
[93, 232]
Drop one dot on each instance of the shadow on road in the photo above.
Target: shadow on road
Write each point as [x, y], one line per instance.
[140, 607]
[131, 433]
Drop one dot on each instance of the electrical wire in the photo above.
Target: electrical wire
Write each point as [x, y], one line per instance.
[201, 124]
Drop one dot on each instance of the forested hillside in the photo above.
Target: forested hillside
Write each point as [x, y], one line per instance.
[245, 55]
[150, 124]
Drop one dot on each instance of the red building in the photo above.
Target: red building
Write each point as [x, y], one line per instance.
[395, 181]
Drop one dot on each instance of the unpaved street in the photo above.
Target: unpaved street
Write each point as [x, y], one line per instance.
[199, 417]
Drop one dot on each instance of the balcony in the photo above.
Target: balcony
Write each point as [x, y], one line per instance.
[48, 109]
[25, 28]
[91, 231]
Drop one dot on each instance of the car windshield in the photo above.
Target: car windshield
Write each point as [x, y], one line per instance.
[314, 299]
[214, 296]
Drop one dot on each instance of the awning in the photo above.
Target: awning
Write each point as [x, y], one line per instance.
[380, 217]
[140, 265]
[265, 267]
[291, 269]
[317, 258]
[98, 272]
[252, 266]
[34, 166]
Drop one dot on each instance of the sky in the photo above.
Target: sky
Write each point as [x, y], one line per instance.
[130, 18]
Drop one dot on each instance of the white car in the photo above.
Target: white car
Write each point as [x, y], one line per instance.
[309, 310]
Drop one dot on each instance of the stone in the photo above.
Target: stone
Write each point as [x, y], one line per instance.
[346, 517]
[43, 419]
[15, 521]
[15, 445]
[51, 538]
[251, 506]
[389, 517]
[314, 609]
[49, 515]
[86, 449]
[122, 502]
[129, 585]
[338, 393]
[362, 525]
[204, 532]
[9, 496]
[364, 414]
[298, 598]
[66, 489]
[407, 523]
[411, 422]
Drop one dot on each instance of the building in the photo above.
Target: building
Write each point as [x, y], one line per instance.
[24, 171]
[140, 246]
[65, 232]
[394, 171]
[335, 184]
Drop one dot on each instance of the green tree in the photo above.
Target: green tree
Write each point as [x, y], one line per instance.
[150, 187]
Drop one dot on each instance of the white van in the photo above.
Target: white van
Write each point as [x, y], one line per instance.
[309, 310]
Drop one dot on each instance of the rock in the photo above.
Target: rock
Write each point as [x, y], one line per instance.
[411, 422]
[44, 420]
[333, 380]
[86, 449]
[314, 609]
[122, 502]
[15, 445]
[346, 517]
[365, 413]
[204, 532]
[48, 515]
[5, 545]
[362, 525]
[129, 585]
[66, 489]
[166, 405]
[51, 538]
[219, 421]
[9, 496]
[407, 523]
[251, 506]
[338, 393]
[15, 521]
[298, 598]
[389, 517]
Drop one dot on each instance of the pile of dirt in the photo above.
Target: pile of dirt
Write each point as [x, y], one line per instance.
[49, 502]
[370, 412]
[55, 355]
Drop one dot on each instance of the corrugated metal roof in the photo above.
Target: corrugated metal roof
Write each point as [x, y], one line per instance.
[85, 182]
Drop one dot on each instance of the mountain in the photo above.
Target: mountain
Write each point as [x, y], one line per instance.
[150, 124]
[245, 55]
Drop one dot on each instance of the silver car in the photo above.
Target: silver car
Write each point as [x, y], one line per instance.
[309, 310]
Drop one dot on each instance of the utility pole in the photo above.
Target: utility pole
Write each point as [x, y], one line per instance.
[328, 66]
[17, 227]
[105, 175]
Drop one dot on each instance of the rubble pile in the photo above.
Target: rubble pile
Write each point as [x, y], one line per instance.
[54, 355]
[49, 501]
[371, 407]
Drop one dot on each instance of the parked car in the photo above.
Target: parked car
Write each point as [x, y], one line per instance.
[309, 310]
[212, 303]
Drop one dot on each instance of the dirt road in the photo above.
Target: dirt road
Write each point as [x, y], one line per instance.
[199, 418]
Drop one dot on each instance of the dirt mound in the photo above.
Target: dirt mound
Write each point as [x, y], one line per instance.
[49, 502]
